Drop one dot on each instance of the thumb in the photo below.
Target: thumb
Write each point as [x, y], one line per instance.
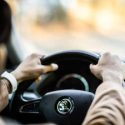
[49, 68]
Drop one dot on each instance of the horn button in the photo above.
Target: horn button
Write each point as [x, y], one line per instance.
[66, 107]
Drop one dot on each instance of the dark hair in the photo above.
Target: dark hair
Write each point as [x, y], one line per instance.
[5, 22]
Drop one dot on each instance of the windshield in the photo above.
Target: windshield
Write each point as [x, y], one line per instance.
[56, 25]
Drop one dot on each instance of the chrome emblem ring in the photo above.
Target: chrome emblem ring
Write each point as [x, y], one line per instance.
[65, 106]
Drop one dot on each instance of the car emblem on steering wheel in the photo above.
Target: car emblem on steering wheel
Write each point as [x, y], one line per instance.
[65, 106]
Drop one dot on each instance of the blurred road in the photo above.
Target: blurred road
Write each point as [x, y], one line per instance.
[92, 41]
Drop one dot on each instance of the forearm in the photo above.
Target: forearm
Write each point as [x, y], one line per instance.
[4, 93]
[109, 100]
[7, 87]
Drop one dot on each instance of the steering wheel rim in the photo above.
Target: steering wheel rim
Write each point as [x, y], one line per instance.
[91, 56]
[18, 102]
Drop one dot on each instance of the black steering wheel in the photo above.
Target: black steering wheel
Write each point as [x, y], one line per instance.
[64, 107]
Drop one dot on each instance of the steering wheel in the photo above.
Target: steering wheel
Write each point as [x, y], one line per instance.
[63, 107]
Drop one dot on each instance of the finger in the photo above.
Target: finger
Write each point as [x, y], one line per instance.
[117, 59]
[106, 54]
[34, 55]
[93, 68]
[104, 58]
[49, 68]
[123, 69]
[42, 57]
[38, 80]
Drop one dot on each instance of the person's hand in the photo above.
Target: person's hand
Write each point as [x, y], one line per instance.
[109, 67]
[31, 68]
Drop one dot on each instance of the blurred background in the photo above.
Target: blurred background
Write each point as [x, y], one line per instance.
[49, 26]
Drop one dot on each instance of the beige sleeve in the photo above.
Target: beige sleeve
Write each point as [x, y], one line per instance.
[108, 107]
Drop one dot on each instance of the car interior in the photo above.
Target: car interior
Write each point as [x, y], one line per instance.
[72, 35]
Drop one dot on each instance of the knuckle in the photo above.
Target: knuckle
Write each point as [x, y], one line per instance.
[106, 54]
[116, 57]
[93, 68]
[33, 55]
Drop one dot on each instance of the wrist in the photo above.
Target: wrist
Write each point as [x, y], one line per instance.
[113, 76]
[18, 76]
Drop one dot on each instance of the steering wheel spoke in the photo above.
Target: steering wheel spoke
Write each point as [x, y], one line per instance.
[30, 107]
